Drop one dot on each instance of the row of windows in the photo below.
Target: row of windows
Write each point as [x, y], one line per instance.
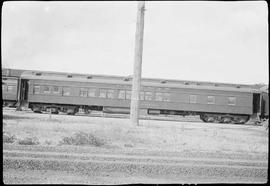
[102, 93]
[211, 100]
[8, 88]
[120, 94]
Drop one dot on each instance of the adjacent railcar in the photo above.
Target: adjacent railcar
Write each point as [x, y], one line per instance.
[10, 91]
[11, 85]
[69, 93]
[265, 103]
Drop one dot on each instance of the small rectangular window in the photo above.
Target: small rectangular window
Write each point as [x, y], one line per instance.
[36, 89]
[192, 99]
[91, 92]
[56, 90]
[128, 94]
[10, 88]
[102, 93]
[148, 96]
[159, 96]
[121, 94]
[210, 99]
[83, 92]
[46, 90]
[141, 95]
[231, 101]
[4, 88]
[110, 94]
[166, 96]
[66, 91]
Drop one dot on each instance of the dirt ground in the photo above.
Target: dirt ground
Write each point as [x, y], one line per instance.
[222, 150]
[153, 135]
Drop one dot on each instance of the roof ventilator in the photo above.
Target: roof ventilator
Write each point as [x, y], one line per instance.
[69, 76]
[164, 81]
[38, 73]
[127, 78]
[89, 77]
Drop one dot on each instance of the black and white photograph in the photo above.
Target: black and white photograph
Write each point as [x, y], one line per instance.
[135, 92]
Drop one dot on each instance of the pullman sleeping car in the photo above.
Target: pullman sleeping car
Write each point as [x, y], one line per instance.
[68, 93]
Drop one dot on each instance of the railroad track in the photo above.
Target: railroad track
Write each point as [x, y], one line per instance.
[168, 167]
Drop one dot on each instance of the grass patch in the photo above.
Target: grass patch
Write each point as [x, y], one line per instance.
[82, 138]
[28, 141]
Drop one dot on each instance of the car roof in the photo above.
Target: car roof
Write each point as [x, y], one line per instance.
[37, 75]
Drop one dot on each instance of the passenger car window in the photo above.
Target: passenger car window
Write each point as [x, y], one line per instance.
[141, 95]
[4, 88]
[192, 99]
[56, 89]
[46, 90]
[91, 92]
[110, 94]
[210, 99]
[121, 94]
[66, 91]
[83, 92]
[128, 94]
[36, 89]
[231, 101]
[166, 96]
[148, 96]
[10, 88]
[102, 93]
[159, 96]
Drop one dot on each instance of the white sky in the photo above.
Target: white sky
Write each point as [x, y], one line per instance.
[204, 41]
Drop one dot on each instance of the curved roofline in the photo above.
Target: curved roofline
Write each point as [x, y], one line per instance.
[107, 80]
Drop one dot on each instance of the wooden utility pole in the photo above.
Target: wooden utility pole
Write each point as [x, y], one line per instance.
[137, 68]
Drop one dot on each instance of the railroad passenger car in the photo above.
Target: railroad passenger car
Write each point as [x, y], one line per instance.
[69, 92]
[265, 103]
[11, 85]
[9, 91]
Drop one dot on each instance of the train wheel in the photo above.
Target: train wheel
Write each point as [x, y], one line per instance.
[54, 110]
[71, 111]
[202, 117]
[87, 111]
[226, 120]
[209, 119]
[36, 109]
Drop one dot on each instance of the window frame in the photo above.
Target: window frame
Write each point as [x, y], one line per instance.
[92, 91]
[83, 92]
[46, 92]
[104, 93]
[4, 88]
[128, 94]
[212, 102]
[35, 88]
[234, 101]
[110, 93]
[56, 92]
[64, 91]
[150, 95]
[12, 88]
[159, 95]
[121, 94]
[193, 99]
[141, 95]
